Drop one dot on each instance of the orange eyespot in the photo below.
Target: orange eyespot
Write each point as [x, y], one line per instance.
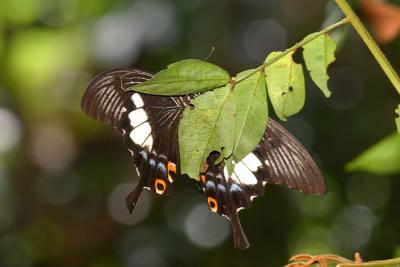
[212, 203]
[160, 186]
[203, 179]
[171, 169]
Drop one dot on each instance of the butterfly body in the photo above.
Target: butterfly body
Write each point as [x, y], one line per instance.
[150, 124]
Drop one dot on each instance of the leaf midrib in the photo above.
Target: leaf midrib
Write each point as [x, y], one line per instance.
[247, 112]
[168, 82]
[215, 124]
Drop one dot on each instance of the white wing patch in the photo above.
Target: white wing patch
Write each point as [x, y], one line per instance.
[243, 170]
[235, 178]
[149, 142]
[140, 134]
[244, 174]
[252, 162]
[137, 100]
[137, 117]
[226, 172]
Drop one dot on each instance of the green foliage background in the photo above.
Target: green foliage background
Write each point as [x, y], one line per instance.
[63, 176]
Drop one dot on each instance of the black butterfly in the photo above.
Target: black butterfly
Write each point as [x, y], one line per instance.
[149, 125]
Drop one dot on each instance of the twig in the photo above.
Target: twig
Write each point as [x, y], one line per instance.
[294, 48]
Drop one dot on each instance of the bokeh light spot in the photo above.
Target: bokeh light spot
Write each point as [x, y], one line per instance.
[205, 229]
[352, 229]
[262, 37]
[10, 130]
[118, 38]
[117, 207]
[368, 190]
[52, 147]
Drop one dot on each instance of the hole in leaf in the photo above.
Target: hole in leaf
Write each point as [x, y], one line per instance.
[298, 56]
[212, 157]
[290, 89]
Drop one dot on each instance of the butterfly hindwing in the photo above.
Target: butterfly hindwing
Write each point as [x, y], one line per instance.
[151, 125]
[278, 159]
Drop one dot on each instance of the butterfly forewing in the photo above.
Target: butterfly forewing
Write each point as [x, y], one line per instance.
[285, 161]
[148, 123]
[105, 97]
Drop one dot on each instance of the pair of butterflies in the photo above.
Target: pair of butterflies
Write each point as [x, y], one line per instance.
[149, 125]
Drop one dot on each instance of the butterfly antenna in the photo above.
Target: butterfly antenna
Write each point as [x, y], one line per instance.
[133, 196]
[210, 53]
[239, 237]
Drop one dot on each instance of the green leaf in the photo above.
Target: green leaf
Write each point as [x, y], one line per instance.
[382, 158]
[318, 55]
[398, 118]
[286, 87]
[185, 77]
[205, 128]
[251, 113]
[229, 165]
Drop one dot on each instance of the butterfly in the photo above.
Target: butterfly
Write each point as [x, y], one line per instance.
[149, 125]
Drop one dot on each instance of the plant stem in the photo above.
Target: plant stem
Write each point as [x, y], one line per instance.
[306, 40]
[369, 41]
[383, 263]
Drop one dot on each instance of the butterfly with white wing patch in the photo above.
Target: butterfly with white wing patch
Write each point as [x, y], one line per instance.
[149, 125]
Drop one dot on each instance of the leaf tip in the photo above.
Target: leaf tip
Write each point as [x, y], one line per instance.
[282, 118]
[327, 93]
[350, 166]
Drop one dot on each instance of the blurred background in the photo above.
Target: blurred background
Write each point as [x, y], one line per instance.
[64, 176]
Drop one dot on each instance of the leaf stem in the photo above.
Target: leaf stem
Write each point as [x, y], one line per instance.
[294, 48]
[371, 44]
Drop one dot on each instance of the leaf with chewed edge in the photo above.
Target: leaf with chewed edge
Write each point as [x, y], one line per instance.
[185, 77]
[207, 127]
[286, 87]
[318, 55]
